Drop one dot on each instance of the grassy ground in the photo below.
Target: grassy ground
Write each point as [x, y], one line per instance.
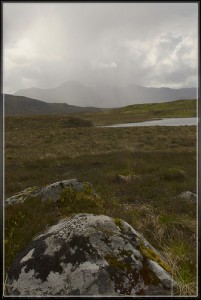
[160, 162]
[142, 112]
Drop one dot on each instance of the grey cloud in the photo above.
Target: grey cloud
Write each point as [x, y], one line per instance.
[46, 44]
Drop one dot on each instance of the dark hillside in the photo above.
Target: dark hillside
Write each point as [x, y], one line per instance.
[19, 105]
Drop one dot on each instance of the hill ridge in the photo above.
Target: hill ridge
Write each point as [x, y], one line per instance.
[16, 105]
[106, 96]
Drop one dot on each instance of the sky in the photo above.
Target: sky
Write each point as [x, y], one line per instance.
[148, 44]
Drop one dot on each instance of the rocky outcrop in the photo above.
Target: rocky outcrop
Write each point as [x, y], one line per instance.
[90, 254]
[52, 191]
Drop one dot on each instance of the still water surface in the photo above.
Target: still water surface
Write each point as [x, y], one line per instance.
[162, 122]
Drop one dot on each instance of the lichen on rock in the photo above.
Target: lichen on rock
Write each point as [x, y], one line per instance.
[52, 191]
[188, 196]
[80, 256]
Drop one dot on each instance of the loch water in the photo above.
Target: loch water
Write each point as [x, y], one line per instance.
[162, 122]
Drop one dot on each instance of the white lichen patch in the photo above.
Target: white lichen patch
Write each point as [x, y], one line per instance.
[28, 256]
[80, 256]
[53, 246]
[22, 284]
[162, 275]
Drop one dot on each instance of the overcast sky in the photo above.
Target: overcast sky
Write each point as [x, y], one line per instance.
[149, 44]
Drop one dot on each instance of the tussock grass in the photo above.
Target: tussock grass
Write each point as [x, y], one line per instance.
[86, 201]
[72, 122]
[23, 221]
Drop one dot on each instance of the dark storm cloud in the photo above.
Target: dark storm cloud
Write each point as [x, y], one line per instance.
[46, 44]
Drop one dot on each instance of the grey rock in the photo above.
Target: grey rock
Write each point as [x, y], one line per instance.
[127, 178]
[88, 254]
[52, 191]
[188, 195]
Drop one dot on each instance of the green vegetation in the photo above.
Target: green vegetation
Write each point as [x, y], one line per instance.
[144, 112]
[161, 162]
[179, 108]
[23, 222]
[76, 122]
[150, 254]
[172, 174]
[118, 222]
[114, 262]
[72, 201]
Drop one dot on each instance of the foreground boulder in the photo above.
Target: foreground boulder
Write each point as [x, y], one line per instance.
[89, 254]
[52, 191]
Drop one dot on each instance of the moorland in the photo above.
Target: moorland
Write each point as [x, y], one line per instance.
[139, 172]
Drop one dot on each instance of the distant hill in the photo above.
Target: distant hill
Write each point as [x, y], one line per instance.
[178, 108]
[19, 105]
[75, 93]
[144, 112]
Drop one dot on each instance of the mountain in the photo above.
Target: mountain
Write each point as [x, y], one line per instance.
[133, 94]
[20, 105]
[71, 92]
[75, 93]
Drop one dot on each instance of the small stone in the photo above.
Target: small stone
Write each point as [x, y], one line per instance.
[188, 196]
